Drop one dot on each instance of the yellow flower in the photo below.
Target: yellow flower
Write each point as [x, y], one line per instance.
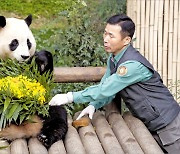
[23, 87]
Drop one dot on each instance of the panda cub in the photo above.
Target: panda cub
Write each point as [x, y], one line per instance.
[17, 42]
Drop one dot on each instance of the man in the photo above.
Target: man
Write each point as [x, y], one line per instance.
[130, 76]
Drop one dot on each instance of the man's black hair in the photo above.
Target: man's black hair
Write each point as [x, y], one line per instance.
[126, 23]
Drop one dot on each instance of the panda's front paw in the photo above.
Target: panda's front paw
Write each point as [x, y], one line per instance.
[44, 140]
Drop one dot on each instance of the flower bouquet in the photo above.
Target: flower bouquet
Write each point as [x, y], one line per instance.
[23, 92]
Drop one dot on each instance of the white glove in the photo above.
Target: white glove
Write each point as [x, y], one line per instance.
[88, 110]
[61, 99]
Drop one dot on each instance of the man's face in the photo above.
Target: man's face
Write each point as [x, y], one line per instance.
[113, 40]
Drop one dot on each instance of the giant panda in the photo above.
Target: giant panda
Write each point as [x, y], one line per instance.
[17, 42]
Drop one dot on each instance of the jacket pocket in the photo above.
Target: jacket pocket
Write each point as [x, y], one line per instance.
[171, 132]
[145, 111]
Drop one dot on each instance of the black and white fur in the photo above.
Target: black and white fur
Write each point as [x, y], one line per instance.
[17, 42]
[16, 39]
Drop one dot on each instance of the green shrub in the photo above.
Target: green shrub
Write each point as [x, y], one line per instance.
[111, 7]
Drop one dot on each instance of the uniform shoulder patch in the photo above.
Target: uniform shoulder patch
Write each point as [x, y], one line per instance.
[122, 70]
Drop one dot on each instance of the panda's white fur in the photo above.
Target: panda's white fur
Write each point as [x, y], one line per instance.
[16, 29]
[17, 42]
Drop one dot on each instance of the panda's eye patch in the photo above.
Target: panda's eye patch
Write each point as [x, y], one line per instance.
[29, 44]
[13, 45]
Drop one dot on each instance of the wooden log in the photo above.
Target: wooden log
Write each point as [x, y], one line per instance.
[89, 139]
[78, 74]
[72, 140]
[6, 149]
[57, 148]
[142, 135]
[106, 135]
[19, 146]
[36, 147]
[121, 130]
[111, 108]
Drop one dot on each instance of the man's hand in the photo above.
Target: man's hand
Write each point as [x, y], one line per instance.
[88, 110]
[61, 99]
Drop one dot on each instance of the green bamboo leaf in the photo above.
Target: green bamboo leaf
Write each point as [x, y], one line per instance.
[2, 120]
[12, 110]
[4, 147]
[24, 107]
[6, 103]
[1, 109]
[16, 113]
[22, 117]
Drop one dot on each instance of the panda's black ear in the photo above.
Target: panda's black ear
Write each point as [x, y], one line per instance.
[28, 20]
[2, 21]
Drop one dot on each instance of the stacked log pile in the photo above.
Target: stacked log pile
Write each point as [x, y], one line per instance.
[108, 133]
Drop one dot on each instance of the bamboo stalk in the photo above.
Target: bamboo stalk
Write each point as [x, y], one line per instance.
[155, 34]
[147, 29]
[174, 54]
[134, 10]
[131, 12]
[142, 27]
[129, 8]
[138, 22]
[178, 64]
[134, 17]
[160, 37]
[151, 37]
[170, 43]
[165, 41]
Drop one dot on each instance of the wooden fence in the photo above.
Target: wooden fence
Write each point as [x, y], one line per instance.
[158, 35]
